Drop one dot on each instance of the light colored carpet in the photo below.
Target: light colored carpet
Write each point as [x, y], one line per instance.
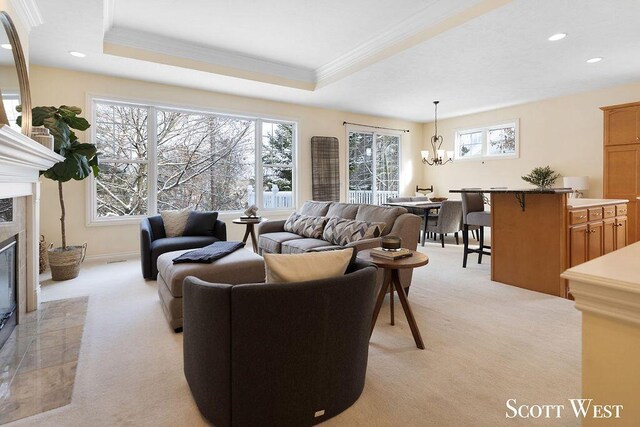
[486, 343]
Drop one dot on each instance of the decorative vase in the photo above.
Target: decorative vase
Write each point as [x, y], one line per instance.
[65, 263]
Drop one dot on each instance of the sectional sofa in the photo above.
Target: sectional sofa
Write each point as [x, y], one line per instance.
[273, 238]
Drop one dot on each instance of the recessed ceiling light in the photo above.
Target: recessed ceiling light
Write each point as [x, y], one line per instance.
[594, 60]
[77, 54]
[5, 46]
[556, 37]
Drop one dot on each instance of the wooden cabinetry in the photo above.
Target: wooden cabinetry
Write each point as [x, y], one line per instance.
[622, 124]
[577, 244]
[595, 240]
[622, 161]
[609, 235]
[595, 231]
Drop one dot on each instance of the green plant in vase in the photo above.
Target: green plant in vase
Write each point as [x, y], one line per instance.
[542, 177]
[80, 161]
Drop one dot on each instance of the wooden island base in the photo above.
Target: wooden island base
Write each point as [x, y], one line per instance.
[529, 247]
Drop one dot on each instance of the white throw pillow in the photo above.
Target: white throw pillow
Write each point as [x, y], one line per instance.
[175, 221]
[283, 268]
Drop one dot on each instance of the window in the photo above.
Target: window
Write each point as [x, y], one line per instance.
[497, 141]
[11, 100]
[155, 158]
[374, 167]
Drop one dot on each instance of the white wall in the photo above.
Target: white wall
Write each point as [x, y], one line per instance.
[51, 86]
[565, 133]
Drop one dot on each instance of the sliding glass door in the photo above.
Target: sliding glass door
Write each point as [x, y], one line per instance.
[374, 167]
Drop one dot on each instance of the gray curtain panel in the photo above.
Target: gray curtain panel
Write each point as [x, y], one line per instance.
[325, 170]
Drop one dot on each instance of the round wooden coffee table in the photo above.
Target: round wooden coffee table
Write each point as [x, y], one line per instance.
[391, 281]
[250, 231]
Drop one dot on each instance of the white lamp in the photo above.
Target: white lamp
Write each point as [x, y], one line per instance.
[577, 183]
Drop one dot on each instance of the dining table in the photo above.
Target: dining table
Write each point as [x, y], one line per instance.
[421, 209]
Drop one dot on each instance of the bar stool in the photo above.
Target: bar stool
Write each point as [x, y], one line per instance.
[474, 215]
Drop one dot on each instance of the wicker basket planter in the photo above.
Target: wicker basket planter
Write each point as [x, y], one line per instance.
[43, 258]
[65, 263]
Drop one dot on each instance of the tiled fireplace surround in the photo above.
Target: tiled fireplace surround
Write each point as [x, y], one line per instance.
[21, 159]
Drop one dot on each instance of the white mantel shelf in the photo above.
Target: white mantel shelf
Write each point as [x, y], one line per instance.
[609, 285]
[21, 160]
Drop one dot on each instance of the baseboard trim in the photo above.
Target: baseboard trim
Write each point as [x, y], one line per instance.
[122, 256]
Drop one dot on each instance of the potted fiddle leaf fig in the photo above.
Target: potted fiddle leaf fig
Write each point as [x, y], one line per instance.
[80, 161]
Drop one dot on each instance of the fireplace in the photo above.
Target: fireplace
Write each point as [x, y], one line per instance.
[8, 287]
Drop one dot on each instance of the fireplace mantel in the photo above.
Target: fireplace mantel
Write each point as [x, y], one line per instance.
[21, 160]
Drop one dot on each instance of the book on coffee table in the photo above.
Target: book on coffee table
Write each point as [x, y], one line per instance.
[250, 218]
[391, 255]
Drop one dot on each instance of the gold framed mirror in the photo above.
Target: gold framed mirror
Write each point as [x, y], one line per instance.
[14, 78]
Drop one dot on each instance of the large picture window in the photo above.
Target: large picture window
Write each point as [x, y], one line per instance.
[374, 167]
[488, 142]
[155, 158]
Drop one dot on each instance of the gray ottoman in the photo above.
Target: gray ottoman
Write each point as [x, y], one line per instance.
[241, 266]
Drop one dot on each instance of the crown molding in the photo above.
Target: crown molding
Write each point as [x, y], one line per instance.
[226, 60]
[108, 10]
[602, 286]
[28, 12]
[433, 20]
[428, 23]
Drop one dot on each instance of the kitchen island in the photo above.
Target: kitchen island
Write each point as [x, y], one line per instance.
[528, 237]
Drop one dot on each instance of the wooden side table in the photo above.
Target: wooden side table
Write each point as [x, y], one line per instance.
[250, 231]
[391, 281]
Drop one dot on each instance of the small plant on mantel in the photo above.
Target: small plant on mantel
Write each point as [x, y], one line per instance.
[80, 161]
[542, 177]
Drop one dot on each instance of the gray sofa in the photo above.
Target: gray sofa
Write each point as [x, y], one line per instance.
[272, 238]
[278, 354]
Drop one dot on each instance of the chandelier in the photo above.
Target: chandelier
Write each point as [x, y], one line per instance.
[440, 157]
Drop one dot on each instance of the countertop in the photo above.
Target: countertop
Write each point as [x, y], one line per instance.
[617, 269]
[513, 190]
[588, 203]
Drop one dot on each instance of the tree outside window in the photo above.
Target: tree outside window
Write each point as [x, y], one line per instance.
[158, 159]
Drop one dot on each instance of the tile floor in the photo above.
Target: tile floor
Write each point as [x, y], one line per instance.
[38, 362]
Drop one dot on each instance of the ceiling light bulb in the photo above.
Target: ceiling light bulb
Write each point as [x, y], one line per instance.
[594, 60]
[5, 46]
[77, 54]
[557, 37]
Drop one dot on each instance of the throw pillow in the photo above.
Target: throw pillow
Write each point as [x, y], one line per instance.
[175, 221]
[284, 268]
[384, 214]
[340, 231]
[314, 208]
[201, 224]
[305, 225]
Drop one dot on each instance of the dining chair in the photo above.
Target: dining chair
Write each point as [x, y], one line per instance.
[474, 215]
[448, 220]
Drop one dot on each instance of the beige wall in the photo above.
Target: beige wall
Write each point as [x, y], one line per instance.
[51, 86]
[565, 133]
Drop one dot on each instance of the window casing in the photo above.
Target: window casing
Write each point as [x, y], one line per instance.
[155, 158]
[499, 141]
